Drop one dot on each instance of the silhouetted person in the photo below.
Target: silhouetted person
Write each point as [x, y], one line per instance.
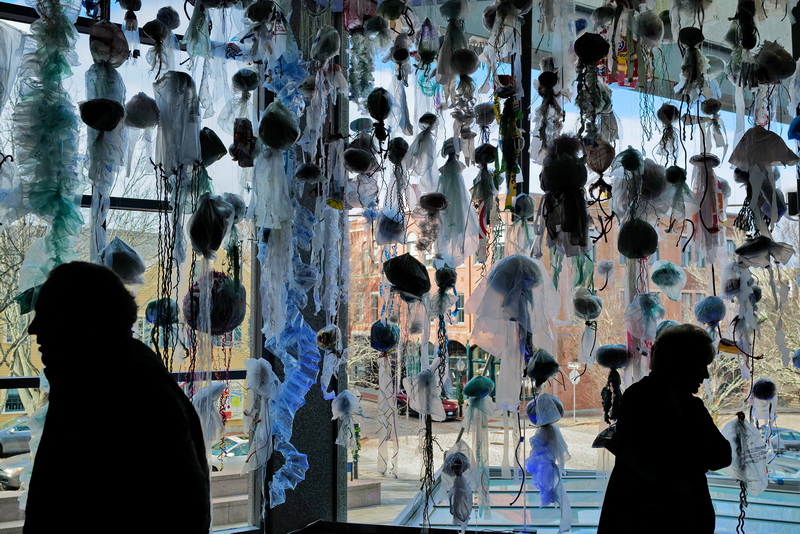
[122, 449]
[665, 442]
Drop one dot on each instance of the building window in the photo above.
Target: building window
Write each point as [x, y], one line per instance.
[374, 307]
[229, 340]
[411, 244]
[13, 402]
[459, 315]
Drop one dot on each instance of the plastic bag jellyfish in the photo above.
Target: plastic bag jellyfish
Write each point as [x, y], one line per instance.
[679, 196]
[642, 317]
[131, 25]
[522, 236]
[163, 314]
[605, 268]
[511, 302]
[408, 276]
[209, 224]
[460, 227]
[391, 227]
[427, 47]
[587, 307]
[444, 301]
[715, 126]
[548, 117]
[670, 278]
[329, 339]
[400, 55]
[562, 211]
[710, 311]
[420, 160]
[668, 145]
[124, 261]
[692, 85]
[763, 402]
[428, 216]
[141, 113]
[161, 54]
[591, 96]
[541, 367]
[549, 454]
[738, 284]
[760, 251]
[346, 409]
[103, 116]
[228, 304]
[484, 196]
[749, 457]
[709, 221]
[484, 118]
[379, 105]
[614, 358]
[458, 476]
[264, 386]
[244, 82]
[270, 203]
[464, 63]
[757, 153]
[599, 158]
[204, 400]
[480, 407]
[454, 12]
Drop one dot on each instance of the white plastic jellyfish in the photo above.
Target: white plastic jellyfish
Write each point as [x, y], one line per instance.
[459, 476]
[459, 236]
[711, 194]
[548, 456]
[204, 401]
[642, 317]
[670, 278]
[346, 409]
[749, 455]
[587, 307]
[476, 421]
[263, 385]
[515, 299]
[760, 251]
[124, 261]
[738, 284]
[424, 392]
[763, 403]
[420, 160]
[710, 311]
[757, 154]
[329, 339]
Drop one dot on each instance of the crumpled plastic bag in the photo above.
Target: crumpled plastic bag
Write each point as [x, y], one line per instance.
[749, 451]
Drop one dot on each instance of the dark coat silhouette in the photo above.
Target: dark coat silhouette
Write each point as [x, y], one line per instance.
[665, 442]
[122, 448]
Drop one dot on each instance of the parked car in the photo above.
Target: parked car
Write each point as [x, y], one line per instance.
[450, 406]
[15, 436]
[11, 468]
[230, 454]
[784, 439]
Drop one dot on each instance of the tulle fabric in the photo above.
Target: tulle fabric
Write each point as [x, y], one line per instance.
[424, 392]
[643, 315]
[458, 238]
[459, 477]
[546, 464]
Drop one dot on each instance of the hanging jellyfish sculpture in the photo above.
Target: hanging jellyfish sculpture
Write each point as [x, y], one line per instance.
[427, 48]
[763, 402]
[693, 84]
[714, 125]
[592, 96]
[599, 157]
[549, 454]
[680, 198]
[522, 234]
[420, 160]
[742, 36]
[711, 193]
[549, 116]
[562, 211]
[244, 82]
[142, 115]
[613, 358]
[606, 269]
[163, 315]
[346, 408]
[458, 476]
[642, 316]
[710, 311]
[396, 197]
[739, 285]
[131, 26]
[161, 55]
[124, 261]
[484, 197]
[587, 307]
[476, 422]
[755, 157]
[749, 461]
[669, 144]
[453, 11]
[460, 227]
[329, 339]
[670, 278]
[648, 29]
[428, 216]
[637, 239]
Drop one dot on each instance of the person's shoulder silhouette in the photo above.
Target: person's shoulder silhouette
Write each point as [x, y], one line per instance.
[111, 401]
[665, 442]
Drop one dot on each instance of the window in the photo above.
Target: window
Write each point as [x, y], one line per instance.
[229, 340]
[13, 402]
[8, 333]
[374, 307]
[411, 244]
[459, 314]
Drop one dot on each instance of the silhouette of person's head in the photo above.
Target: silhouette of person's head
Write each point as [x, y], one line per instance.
[681, 354]
[81, 301]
